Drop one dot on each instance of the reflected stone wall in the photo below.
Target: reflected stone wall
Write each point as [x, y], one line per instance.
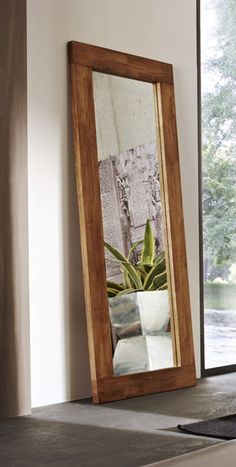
[130, 194]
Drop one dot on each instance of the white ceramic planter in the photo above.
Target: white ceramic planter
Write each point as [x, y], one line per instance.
[145, 317]
[143, 353]
[154, 311]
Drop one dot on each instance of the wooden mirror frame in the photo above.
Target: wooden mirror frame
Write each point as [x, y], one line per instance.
[84, 59]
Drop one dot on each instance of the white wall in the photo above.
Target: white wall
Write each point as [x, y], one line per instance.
[124, 113]
[158, 29]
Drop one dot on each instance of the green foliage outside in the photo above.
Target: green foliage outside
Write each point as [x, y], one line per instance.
[219, 147]
[220, 296]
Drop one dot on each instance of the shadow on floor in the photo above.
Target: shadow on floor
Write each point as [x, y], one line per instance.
[29, 441]
[128, 433]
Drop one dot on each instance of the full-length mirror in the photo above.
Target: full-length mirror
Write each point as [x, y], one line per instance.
[131, 223]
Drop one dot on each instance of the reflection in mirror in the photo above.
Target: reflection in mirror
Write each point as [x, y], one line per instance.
[133, 224]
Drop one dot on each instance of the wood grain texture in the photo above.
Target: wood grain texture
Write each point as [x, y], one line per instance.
[168, 246]
[175, 224]
[90, 216]
[106, 386]
[118, 63]
[14, 288]
[141, 384]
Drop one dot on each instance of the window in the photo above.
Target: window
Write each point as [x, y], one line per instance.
[218, 130]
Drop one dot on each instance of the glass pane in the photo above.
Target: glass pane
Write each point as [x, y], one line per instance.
[218, 45]
[135, 257]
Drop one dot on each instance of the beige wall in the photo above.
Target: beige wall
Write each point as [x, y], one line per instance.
[158, 29]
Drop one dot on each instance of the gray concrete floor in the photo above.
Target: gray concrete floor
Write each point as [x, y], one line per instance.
[128, 433]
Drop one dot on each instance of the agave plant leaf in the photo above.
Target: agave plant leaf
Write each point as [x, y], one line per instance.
[127, 291]
[159, 257]
[161, 263]
[114, 285]
[133, 248]
[157, 269]
[144, 268]
[158, 281]
[133, 275]
[112, 292]
[149, 273]
[126, 279]
[142, 272]
[148, 250]
[118, 261]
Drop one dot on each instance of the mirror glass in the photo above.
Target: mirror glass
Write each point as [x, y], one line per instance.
[138, 287]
